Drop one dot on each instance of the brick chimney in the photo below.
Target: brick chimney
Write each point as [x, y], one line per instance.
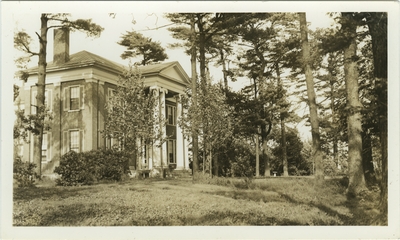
[61, 46]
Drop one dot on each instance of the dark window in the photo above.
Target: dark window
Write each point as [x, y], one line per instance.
[171, 151]
[171, 113]
[74, 98]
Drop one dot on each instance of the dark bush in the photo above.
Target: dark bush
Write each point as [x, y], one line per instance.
[24, 173]
[111, 164]
[75, 170]
[88, 167]
[242, 167]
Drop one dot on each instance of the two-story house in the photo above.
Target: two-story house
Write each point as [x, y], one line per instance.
[77, 89]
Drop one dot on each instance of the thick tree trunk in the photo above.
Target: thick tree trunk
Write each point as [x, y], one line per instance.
[377, 25]
[40, 97]
[264, 134]
[267, 168]
[334, 124]
[368, 166]
[384, 181]
[195, 138]
[356, 173]
[216, 166]
[317, 152]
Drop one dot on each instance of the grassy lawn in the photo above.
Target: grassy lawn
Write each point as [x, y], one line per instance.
[179, 202]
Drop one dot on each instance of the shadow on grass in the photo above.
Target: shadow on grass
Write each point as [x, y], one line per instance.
[228, 218]
[28, 194]
[69, 215]
[255, 196]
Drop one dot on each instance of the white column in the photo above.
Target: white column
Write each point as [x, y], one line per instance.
[155, 151]
[159, 155]
[180, 141]
[164, 161]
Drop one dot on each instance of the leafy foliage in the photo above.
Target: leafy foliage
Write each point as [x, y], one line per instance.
[132, 114]
[298, 164]
[212, 116]
[89, 167]
[24, 173]
[31, 123]
[139, 45]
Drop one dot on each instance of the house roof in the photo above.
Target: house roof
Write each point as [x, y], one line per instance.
[88, 59]
[156, 68]
[82, 58]
[85, 58]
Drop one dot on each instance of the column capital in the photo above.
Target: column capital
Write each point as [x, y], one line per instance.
[159, 89]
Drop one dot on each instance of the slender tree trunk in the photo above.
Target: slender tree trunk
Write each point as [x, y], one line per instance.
[356, 173]
[195, 138]
[317, 152]
[221, 52]
[40, 97]
[283, 128]
[257, 155]
[283, 138]
[202, 53]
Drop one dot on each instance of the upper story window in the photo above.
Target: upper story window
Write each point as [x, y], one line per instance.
[171, 115]
[73, 98]
[111, 93]
[47, 101]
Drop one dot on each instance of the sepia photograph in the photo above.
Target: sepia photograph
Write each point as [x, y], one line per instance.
[199, 120]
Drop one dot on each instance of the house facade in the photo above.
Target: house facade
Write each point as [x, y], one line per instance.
[77, 89]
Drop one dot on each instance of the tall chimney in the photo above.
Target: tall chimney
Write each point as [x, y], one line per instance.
[61, 46]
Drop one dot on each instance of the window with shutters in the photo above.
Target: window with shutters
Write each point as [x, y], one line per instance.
[73, 98]
[47, 101]
[46, 147]
[113, 142]
[74, 140]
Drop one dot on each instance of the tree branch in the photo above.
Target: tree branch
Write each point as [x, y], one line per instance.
[156, 28]
[56, 26]
[28, 50]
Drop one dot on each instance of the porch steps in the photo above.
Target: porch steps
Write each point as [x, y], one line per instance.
[182, 173]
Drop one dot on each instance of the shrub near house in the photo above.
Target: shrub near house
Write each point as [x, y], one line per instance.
[89, 167]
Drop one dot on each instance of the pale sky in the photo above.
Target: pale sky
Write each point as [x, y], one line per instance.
[106, 45]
